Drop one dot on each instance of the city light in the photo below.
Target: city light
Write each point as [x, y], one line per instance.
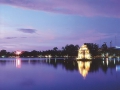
[48, 56]
[18, 52]
[107, 61]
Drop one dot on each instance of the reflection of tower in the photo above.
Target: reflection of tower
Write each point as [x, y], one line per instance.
[18, 63]
[83, 67]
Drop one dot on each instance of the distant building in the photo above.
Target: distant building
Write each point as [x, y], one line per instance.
[117, 47]
[84, 52]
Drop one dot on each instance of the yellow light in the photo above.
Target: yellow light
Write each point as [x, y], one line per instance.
[83, 67]
[84, 53]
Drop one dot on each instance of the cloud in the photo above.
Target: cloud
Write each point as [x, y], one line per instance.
[23, 37]
[109, 8]
[27, 30]
[10, 37]
[89, 36]
[14, 37]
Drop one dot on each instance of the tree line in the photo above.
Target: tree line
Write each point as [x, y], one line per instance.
[68, 50]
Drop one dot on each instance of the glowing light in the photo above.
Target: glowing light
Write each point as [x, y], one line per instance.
[107, 61]
[18, 52]
[3, 56]
[49, 56]
[84, 52]
[18, 63]
[103, 62]
[83, 67]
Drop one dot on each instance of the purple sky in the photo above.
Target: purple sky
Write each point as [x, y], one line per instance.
[44, 24]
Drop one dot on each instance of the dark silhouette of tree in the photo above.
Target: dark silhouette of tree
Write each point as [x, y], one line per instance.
[55, 48]
[93, 48]
[104, 46]
[70, 50]
[3, 53]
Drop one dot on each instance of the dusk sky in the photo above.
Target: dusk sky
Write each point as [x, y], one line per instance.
[45, 24]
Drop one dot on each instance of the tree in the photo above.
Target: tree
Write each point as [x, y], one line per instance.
[70, 50]
[55, 49]
[104, 46]
[93, 48]
[3, 52]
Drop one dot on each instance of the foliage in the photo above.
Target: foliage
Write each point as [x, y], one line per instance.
[93, 48]
[68, 50]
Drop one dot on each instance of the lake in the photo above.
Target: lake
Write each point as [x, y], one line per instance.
[59, 74]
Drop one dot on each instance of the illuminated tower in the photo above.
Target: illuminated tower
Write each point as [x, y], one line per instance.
[84, 52]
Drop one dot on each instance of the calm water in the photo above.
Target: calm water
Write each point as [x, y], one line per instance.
[59, 74]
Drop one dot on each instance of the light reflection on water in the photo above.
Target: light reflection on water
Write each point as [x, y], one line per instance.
[83, 67]
[59, 74]
[18, 63]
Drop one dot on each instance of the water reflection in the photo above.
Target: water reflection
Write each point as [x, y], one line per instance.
[59, 74]
[83, 67]
[118, 68]
[18, 62]
[107, 61]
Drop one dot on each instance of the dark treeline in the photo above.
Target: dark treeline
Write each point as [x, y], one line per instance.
[102, 51]
[68, 50]
[93, 48]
